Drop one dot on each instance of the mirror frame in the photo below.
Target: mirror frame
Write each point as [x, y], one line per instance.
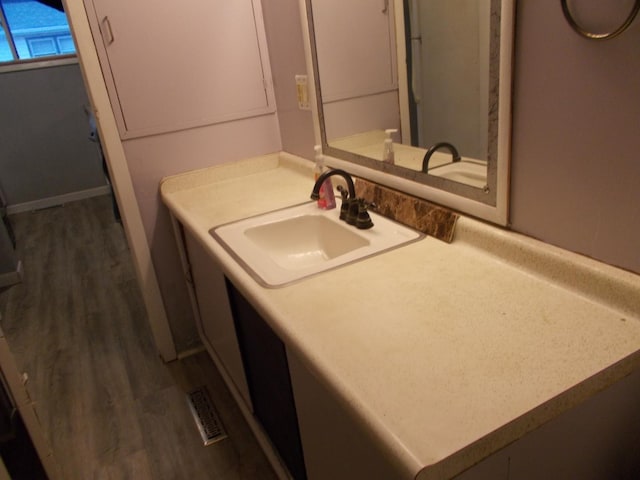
[491, 204]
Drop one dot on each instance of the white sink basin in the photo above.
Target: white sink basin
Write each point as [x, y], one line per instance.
[470, 173]
[283, 246]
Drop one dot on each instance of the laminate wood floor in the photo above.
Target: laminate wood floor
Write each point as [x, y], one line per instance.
[109, 406]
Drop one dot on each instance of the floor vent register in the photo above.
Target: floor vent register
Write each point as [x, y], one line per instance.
[205, 416]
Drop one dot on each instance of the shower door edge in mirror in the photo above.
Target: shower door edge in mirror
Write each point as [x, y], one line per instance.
[489, 203]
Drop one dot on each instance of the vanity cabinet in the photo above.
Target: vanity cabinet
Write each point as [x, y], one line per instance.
[174, 65]
[336, 445]
[318, 437]
[215, 323]
[429, 396]
[599, 439]
[311, 430]
[267, 370]
[249, 352]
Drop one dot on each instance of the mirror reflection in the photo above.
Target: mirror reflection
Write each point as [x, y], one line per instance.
[423, 73]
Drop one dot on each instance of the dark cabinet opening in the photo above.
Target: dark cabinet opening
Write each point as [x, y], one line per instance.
[267, 371]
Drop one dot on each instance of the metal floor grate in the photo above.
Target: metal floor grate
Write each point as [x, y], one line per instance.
[205, 415]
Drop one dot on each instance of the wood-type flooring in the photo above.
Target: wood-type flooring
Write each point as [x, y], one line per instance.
[110, 408]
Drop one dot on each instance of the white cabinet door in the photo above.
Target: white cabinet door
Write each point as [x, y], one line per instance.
[217, 327]
[176, 65]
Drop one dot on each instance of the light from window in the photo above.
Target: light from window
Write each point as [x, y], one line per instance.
[32, 30]
[5, 50]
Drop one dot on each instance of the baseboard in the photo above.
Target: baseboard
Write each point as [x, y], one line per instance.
[11, 278]
[58, 200]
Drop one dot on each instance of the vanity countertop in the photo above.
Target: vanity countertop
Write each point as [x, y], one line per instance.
[448, 352]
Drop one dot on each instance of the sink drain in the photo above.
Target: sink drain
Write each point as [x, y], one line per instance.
[205, 416]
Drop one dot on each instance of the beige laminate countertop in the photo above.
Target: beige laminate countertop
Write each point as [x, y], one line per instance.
[448, 352]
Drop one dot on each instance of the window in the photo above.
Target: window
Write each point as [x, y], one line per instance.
[30, 29]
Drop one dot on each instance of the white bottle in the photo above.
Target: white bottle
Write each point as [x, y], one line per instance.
[388, 155]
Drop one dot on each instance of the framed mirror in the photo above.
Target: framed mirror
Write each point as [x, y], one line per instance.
[433, 75]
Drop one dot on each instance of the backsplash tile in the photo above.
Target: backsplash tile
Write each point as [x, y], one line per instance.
[434, 220]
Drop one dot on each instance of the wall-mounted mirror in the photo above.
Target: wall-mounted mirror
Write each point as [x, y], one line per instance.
[425, 73]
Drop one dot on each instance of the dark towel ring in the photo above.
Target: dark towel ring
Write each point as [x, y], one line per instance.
[599, 36]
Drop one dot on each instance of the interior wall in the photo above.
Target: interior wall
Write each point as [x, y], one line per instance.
[575, 159]
[150, 159]
[45, 149]
[286, 53]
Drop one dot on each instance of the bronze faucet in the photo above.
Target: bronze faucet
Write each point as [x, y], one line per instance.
[353, 209]
[315, 194]
[436, 146]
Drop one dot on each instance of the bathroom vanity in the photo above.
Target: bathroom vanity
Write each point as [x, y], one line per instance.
[494, 356]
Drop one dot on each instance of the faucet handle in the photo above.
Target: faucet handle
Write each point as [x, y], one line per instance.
[370, 205]
[353, 208]
[363, 220]
[344, 208]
